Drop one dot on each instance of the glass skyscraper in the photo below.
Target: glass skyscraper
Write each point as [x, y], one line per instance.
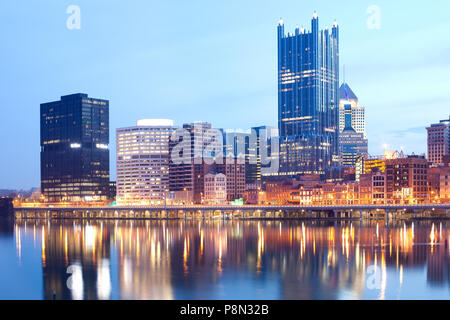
[308, 99]
[75, 149]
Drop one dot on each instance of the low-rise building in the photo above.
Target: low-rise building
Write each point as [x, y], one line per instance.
[407, 180]
[444, 180]
[215, 188]
[378, 188]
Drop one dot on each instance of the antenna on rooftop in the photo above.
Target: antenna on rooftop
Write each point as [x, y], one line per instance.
[344, 73]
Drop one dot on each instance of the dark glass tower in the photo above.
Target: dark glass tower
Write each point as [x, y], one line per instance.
[308, 99]
[74, 149]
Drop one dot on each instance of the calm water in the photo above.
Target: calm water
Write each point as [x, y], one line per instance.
[224, 260]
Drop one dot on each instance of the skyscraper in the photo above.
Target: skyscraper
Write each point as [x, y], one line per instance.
[75, 149]
[351, 143]
[348, 98]
[143, 162]
[308, 98]
[438, 141]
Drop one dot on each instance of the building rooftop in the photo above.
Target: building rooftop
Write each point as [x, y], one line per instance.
[345, 92]
[154, 123]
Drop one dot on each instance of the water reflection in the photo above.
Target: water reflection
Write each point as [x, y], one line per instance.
[239, 260]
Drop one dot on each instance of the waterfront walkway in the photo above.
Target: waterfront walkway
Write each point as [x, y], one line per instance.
[237, 212]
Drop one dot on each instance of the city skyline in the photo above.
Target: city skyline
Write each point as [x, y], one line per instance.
[126, 107]
[172, 151]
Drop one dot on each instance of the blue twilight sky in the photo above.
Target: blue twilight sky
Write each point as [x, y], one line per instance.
[212, 61]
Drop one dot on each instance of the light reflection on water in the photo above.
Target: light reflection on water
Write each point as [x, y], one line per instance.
[224, 260]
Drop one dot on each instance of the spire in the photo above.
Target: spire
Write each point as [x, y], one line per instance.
[281, 22]
[315, 15]
[344, 73]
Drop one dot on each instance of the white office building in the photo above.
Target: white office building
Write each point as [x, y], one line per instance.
[349, 99]
[143, 162]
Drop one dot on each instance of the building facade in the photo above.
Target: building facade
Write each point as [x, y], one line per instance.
[143, 162]
[195, 146]
[444, 181]
[259, 149]
[352, 144]
[407, 180]
[350, 100]
[378, 187]
[75, 149]
[215, 188]
[438, 141]
[235, 171]
[308, 99]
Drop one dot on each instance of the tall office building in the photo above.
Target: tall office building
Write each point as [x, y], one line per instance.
[75, 149]
[308, 99]
[351, 143]
[350, 100]
[143, 162]
[438, 141]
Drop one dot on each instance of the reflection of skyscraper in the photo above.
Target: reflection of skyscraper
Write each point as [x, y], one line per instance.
[76, 262]
[210, 259]
[308, 93]
[74, 149]
[6, 216]
[144, 268]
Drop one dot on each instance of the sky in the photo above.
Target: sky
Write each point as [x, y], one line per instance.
[212, 61]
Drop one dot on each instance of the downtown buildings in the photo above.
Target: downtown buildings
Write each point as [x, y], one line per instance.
[190, 146]
[259, 148]
[321, 129]
[158, 163]
[198, 161]
[75, 149]
[404, 181]
[308, 99]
